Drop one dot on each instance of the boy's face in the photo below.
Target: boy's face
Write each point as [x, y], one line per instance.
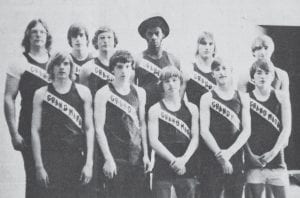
[154, 37]
[261, 51]
[106, 41]
[171, 85]
[79, 41]
[38, 36]
[62, 70]
[262, 78]
[222, 74]
[206, 47]
[123, 71]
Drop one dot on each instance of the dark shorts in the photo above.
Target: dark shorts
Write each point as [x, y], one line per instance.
[129, 182]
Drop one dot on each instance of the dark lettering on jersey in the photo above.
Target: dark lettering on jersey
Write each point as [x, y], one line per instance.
[226, 112]
[203, 81]
[65, 108]
[39, 72]
[124, 106]
[77, 69]
[103, 74]
[175, 122]
[150, 67]
[265, 113]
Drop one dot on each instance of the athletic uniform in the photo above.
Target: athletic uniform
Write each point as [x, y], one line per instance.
[266, 128]
[199, 84]
[148, 71]
[175, 135]
[32, 75]
[225, 126]
[63, 143]
[122, 130]
[78, 64]
[99, 74]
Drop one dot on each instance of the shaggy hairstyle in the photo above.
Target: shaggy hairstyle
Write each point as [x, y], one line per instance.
[26, 39]
[74, 31]
[100, 31]
[263, 41]
[57, 59]
[265, 65]
[204, 36]
[167, 73]
[121, 56]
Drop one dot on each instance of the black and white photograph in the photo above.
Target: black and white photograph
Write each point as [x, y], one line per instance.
[150, 99]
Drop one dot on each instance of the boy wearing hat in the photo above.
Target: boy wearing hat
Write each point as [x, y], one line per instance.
[225, 128]
[78, 39]
[154, 58]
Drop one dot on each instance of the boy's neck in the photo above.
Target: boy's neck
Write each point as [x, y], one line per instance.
[173, 102]
[122, 87]
[204, 63]
[155, 53]
[104, 56]
[80, 54]
[62, 85]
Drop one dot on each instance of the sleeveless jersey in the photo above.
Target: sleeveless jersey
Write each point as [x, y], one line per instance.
[100, 75]
[78, 64]
[34, 77]
[148, 71]
[225, 126]
[63, 142]
[199, 84]
[175, 135]
[62, 120]
[265, 128]
[122, 126]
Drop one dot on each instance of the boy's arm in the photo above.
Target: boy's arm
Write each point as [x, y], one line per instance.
[180, 162]
[142, 100]
[153, 128]
[84, 74]
[283, 138]
[246, 129]
[10, 94]
[210, 141]
[109, 168]
[86, 96]
[41, 174]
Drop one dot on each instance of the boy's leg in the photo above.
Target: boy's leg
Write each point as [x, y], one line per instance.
[185, 188]
[278, 182]
[254, 190]
[234, 185]
[162, 189]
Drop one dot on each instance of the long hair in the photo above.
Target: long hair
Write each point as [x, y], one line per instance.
[74, 30]
[26, 39]
[205, 36]
[57, 59]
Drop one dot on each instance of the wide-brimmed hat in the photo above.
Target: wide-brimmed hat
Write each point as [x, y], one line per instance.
[156, 21]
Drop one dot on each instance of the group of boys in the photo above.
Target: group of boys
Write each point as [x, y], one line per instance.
[136, 117]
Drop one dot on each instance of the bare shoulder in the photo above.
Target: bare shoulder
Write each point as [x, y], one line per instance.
[245, 99]
[83, 91]
[206, 97]
[192, 107]
[17, 66]
[103, 93]
[140, 91]
[40, 93]
[282, 96]
[154, 110]
[282, 74]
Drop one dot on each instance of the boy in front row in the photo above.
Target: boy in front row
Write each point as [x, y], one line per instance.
[173, 135]
[225, 128]
[121, 130]
[271, 128]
